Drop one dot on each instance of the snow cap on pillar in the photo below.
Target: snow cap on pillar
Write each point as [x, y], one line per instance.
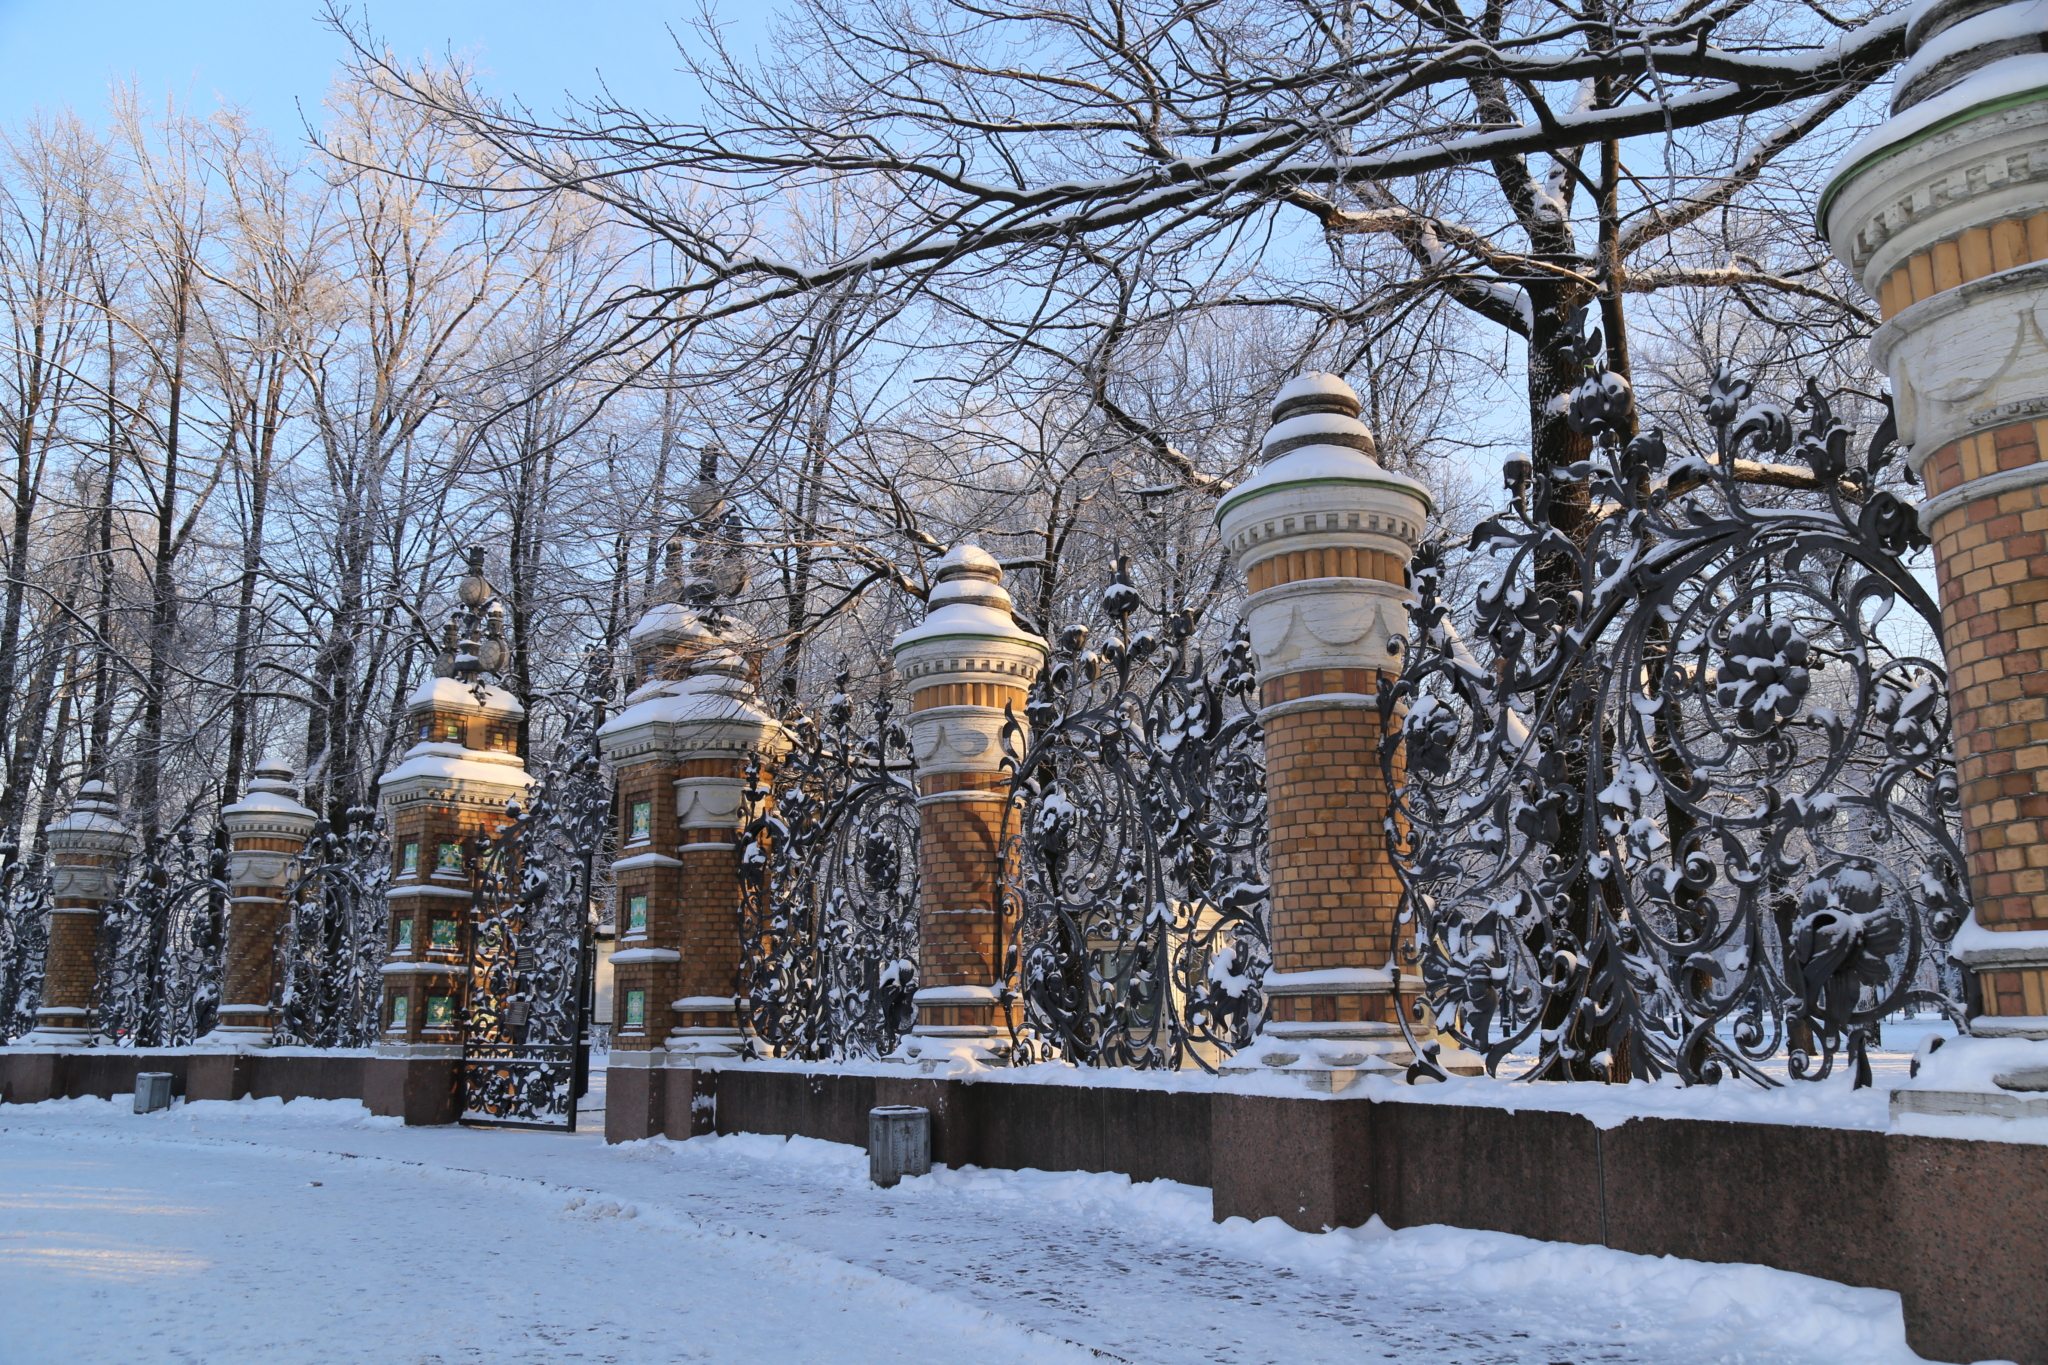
[969, 635]
[271, 801]
[94, 810]
[1324, 536]
[969, 618]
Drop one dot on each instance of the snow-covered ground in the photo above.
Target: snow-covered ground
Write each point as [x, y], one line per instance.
[268, 1232]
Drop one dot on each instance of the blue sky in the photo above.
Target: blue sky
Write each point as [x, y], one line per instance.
[271, 56]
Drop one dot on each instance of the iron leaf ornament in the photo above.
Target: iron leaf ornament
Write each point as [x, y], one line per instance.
[1683, 800]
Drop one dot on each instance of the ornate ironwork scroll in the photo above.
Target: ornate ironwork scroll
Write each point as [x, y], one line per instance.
[24, 940]
[1138, 893]
[160, 943]
[524, 1057]
[829, 879]
[334, 935]
[1686, 803]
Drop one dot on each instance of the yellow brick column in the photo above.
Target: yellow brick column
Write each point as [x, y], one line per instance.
[451, 791]
[1943, 214]
[1324, 536]
[964, 664]
[267, 830]
[680, 749]
[89, 852]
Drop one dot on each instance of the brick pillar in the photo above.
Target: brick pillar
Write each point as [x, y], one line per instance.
[679, 750]
[1324, 536]
[1945, 224]
[267, 830]
[452, 786]
[89, 852]
[964, 664]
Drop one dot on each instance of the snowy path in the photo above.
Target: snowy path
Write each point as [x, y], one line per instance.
[258, 1231]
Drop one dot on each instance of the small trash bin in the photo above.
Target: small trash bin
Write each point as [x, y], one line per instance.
[899, 1142]
[152, 1091]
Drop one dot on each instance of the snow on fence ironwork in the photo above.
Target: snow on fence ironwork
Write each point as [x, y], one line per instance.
[829, 886]
[24, 939]
[160, 942]
[1134, 874]
[333, 939]
[1685, 799]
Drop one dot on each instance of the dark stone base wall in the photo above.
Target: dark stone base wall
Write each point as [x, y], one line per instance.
[421, 1092]
[1958, 1229]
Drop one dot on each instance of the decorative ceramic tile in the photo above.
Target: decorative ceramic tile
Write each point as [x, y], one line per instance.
[449, 858]
[636, 1009]
[636, 914]
[409, 861]
[400, 1007]
[445, 936]
[640, 821]
[401, 936]
[440, 1011]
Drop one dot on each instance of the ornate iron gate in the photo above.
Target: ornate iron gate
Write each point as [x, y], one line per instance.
[525, 1048]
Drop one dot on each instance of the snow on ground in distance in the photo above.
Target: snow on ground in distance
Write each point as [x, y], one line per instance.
[310, 1231]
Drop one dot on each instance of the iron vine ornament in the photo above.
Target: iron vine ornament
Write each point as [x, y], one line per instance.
[524, 1059]
[829, 885]
[333, 938]
[1135, 872]
[1687, 801]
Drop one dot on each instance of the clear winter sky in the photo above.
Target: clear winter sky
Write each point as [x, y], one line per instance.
[272, 56]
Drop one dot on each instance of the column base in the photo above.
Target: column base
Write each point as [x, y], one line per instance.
[1330, 1057]
[951, 1049]
[958, 1028]
[1995, 1073]
[60, 1036]
[234, 1038]
[709, 1033]
[704, 1047]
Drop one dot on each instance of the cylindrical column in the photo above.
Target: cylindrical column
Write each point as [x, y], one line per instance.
[452, 788]
[680, 748]
[267, 831]
[965, 665]
[1941, 218]
[1324, 536]
[89, 852]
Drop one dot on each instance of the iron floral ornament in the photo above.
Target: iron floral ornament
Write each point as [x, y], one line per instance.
[1685, 801]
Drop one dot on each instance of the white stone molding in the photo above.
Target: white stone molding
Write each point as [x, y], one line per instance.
[1969, 359]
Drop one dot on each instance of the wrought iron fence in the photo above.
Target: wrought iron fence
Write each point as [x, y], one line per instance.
[24, 940]
[829, 882]
[1686, 802]
[1134, 874]
[160, 942]
[335, 935]
[525, 1059]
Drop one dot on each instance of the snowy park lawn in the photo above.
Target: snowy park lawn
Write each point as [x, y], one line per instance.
[260, 1231]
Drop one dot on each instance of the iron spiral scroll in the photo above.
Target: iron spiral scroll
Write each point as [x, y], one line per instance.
[1686, 802]
[524, 1050]
[828, 887]
[1134, 869]
[334, 934]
